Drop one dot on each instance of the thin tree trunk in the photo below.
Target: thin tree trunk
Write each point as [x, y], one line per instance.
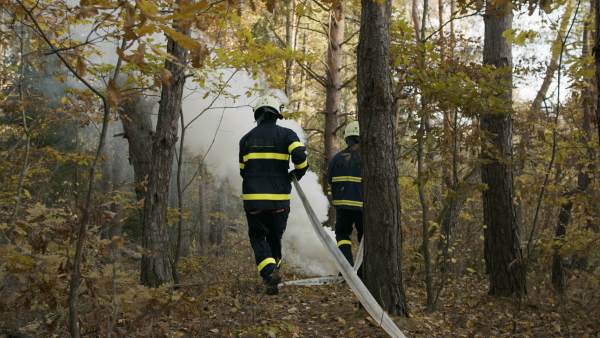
[536, 105]
[564, 216]
[421, 180]
[180, 206]
[415, 17]
[596, 52]
[383, 236]
[106, 187]
[202, 214]
[116, 224]
[334, 95]
[290, 40]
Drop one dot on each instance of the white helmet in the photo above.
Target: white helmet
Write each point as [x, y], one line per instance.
[270, 105]
[352, 129]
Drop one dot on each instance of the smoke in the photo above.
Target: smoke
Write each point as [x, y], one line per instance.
[216, 131]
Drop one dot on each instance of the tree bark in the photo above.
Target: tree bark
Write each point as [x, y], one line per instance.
[503, 255]
[137, 127]
[203, 224]
[564, 216]
[290, 40]
[596, 52]
[331, 134]
[116, 224]
[383, 235]
[155, 267]
[536, 105]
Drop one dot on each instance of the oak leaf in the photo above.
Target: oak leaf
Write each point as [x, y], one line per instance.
[114, 95]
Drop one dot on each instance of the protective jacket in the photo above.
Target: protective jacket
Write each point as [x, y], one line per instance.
[264, 162]
[345, 176]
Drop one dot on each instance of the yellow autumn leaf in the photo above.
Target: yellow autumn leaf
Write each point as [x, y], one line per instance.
[147, 7]
[145, 29]
[114, 95]
[181, 39]
[164, 54]
[165, 76]
[81, 68]
[199, 55]
[87, 12]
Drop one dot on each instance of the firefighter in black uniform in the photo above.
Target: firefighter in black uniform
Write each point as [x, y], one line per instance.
[264, 162]
[345, 177]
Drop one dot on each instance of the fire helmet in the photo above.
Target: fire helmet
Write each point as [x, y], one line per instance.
[352, 129]
[267, 104]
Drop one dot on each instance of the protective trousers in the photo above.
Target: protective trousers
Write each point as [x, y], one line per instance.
[345, 218]
[265, 229]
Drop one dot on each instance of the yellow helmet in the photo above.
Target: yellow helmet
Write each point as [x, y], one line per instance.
[268, 104]
[352, 129]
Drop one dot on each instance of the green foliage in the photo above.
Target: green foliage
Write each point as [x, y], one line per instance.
[519, 37]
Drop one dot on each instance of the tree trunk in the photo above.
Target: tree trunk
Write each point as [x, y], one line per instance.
[177, 246]
[155, 267]
[383, 236]
[502, 246]
[203, 226]
[596, 52]
[536, 105]
[290, 40]
[116, 224]
[137, 127]
[558, 280]
[331, 134]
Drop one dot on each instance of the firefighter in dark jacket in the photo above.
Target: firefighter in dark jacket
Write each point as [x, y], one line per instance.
[264, 162]
[345, 177]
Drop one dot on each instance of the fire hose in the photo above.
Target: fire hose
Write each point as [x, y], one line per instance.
[348, 272]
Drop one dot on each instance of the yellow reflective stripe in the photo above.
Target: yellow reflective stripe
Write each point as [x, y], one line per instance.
[294, 146]
[275, 197]
[265, 263]
[346, 202]
[346, 179]
[242, 165]
[301, 165]
[342, 242]
[266, 156]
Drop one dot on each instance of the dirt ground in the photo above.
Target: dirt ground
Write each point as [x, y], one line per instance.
[236, 306]
[221, 295]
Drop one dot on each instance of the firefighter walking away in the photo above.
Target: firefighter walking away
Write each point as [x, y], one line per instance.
[264, 158]
[345, 177]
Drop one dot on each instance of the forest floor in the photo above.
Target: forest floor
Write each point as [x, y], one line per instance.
[237, 306]
[221, 295]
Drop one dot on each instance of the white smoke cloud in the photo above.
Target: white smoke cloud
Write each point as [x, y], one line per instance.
[216, 133]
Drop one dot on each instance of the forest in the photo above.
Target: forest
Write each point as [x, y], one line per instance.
[121, 208]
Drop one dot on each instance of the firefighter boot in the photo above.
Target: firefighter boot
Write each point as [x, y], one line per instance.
[272, 283]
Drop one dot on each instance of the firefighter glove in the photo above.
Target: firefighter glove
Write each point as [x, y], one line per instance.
[298, 173]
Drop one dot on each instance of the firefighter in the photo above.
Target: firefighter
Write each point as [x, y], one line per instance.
[264, 158]
[345, 177]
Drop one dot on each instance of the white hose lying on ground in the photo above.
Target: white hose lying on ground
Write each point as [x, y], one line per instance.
[359, 254]
[314, 281]
[357, 286]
